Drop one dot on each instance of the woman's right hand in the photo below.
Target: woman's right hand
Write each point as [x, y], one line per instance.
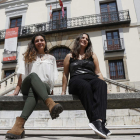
[17, 89]
[14, 94]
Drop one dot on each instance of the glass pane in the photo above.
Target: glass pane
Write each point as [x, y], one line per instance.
[13, 20]
[113, 4]
[112, 9]
[19, 24]
[112, 69]
[109, 36]
[19, 20]
[56, 15]
[12, 26]
[104, 10]
[115, 35]
[116, 69]
[103, 5]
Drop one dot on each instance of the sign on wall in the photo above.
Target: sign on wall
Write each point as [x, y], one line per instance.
[10, 44]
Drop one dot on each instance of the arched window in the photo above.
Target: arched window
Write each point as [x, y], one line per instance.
[60, 54]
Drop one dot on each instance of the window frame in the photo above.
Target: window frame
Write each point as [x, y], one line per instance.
[124, 65]
[106, 17]
[97, 5]
[113, 48]
[16, 18]
[14, 11]
[108, 6]
[117, 77]
[55, 6]
[59, 22]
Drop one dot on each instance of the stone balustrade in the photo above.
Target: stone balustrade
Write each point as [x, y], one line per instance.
[9, 83]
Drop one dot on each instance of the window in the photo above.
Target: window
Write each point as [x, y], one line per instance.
[16, 22]
[113, 40]
[59, 22]
[109, 12]
[116, 69]
[8, 72]
[60, 54]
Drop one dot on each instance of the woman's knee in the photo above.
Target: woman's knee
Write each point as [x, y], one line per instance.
[33, 74]
[81, 84]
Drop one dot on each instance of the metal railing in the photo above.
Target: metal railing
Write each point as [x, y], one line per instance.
[114, 44]
[76, 22]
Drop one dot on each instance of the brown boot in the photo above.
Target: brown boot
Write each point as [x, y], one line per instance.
[17, 132]
[54, 108]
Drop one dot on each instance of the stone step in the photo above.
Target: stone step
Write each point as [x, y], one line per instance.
[75, 132]
[71, 102]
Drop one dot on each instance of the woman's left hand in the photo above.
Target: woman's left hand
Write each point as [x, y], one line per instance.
[63, 93]
[108, 91]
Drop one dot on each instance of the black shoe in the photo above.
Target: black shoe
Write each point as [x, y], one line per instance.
[108, 132]
[98, 128]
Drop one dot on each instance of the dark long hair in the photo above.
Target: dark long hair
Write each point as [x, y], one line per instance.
[31, 52]
[76, 48]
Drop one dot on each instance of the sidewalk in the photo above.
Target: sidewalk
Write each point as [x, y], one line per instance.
[133, 134]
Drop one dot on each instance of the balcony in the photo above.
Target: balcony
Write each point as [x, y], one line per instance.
[114, 45]
[90, 21]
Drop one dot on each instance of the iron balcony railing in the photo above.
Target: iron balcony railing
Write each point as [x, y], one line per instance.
[114, 45]
[72, 23]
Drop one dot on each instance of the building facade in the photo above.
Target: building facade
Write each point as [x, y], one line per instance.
[114, 29]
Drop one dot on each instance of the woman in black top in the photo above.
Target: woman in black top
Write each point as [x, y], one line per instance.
[86, 81]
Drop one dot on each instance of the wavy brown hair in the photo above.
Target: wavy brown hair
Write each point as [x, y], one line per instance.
[76, 48]
[31, 52]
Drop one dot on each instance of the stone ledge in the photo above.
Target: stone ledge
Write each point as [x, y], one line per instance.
[71, 102]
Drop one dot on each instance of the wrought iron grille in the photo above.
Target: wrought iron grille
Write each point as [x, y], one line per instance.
[114, 44]
[76, 22]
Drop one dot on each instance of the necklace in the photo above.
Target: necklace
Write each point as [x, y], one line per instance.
[81, 56]
[41, 56]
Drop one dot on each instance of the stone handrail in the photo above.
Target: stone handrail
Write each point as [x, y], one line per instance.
[10, 76]
[121, 85]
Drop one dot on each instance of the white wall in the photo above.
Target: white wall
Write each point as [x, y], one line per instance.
[129, 5]
[82, 8]
[132, 46]
[96, 39]
[2, 19]
[36, 13]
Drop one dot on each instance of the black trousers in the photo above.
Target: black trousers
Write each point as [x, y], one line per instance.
[92, 92]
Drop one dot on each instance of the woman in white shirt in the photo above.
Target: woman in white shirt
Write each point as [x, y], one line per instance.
[37, 73]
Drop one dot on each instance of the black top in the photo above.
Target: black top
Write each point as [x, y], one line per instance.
[78, 67]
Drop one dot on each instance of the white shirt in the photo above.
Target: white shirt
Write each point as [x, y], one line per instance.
[44, 66]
